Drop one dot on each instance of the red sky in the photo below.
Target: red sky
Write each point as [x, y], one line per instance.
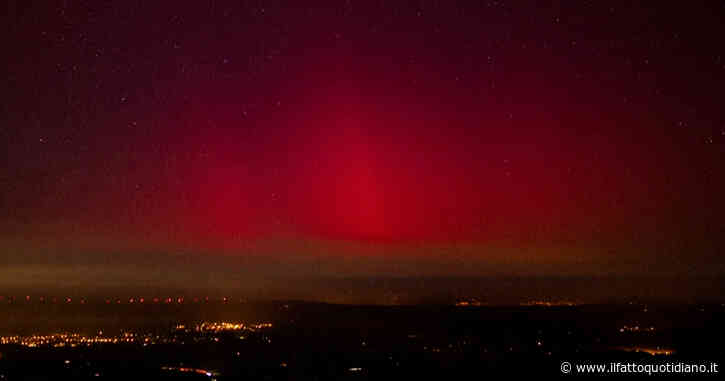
[366, 138]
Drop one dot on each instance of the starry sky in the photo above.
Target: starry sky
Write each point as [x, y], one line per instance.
[144, 141]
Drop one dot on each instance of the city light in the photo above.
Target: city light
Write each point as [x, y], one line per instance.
[75, 339]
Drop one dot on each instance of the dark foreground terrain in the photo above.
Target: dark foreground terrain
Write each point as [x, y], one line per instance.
[306, 341]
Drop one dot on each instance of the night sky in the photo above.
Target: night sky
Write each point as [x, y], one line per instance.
[148, 142]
